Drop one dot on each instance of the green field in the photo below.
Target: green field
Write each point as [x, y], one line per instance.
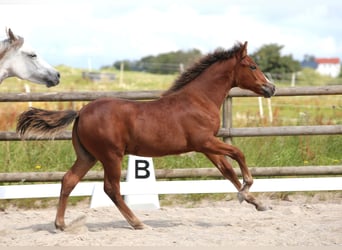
[260, 151]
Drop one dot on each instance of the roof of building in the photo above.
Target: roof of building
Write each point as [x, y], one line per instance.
[333, 60]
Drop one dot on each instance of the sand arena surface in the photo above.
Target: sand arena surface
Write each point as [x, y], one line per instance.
[303, 221]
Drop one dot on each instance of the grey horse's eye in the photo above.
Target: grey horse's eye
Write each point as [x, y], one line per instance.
[32, 55]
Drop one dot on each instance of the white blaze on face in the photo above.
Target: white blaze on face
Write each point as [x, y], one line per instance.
[267, 80]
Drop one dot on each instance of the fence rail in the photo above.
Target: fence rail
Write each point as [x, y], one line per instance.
[145, 95]
[212, 172]
[227, 132]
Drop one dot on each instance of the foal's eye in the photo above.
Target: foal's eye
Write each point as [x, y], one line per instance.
[253, 67]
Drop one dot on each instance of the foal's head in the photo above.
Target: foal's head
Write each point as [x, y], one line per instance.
[249, 76]
[17, 59]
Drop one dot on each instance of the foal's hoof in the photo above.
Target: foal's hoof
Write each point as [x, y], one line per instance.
[263, 208]
[241, 196]
[60, 227]
[60, 224]
[141, 226]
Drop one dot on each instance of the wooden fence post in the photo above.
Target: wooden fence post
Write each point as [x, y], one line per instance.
[227, 117]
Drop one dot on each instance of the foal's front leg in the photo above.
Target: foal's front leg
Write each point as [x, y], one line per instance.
[216, 150]
[228, 172]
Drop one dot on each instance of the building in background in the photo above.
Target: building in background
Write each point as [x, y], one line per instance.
[328, 66]
[324, 66]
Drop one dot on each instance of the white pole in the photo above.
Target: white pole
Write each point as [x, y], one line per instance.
[121, 73]
[181, 67]
[270, 113]
[28, 90]
[293, 80]
[261, 110]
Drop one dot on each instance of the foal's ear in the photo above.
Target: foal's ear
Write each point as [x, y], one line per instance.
[243, 51]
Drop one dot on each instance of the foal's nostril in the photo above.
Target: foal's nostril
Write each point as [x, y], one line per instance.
[58, 75]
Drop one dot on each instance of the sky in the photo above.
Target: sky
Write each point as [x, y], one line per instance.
[91, 34]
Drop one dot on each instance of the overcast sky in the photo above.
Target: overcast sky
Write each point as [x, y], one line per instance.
[72, 32]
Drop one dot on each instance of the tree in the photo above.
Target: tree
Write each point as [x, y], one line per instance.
[270, 60]
[168, 63]
[128, 65]
[165, 63]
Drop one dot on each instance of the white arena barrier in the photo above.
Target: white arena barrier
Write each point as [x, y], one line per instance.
[95, 189]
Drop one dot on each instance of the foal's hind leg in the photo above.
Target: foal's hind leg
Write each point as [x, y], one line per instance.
[112, 176]
[70, 180]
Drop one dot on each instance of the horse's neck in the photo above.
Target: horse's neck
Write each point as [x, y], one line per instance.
[214, 83]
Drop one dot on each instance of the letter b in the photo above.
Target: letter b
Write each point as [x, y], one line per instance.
[141, 169]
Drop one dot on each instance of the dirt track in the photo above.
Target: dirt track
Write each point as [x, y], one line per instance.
[305, 221]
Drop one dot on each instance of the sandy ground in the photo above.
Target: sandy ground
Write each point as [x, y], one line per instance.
[303, 221]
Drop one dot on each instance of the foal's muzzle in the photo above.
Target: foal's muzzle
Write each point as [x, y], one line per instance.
[269, 90]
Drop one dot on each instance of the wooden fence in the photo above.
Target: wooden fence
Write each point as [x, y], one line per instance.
[227, 131]
[181, 173]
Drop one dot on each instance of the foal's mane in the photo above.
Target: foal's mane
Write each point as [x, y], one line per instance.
[198, 67]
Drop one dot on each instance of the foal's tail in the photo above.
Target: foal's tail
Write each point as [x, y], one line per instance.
[39, 122]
